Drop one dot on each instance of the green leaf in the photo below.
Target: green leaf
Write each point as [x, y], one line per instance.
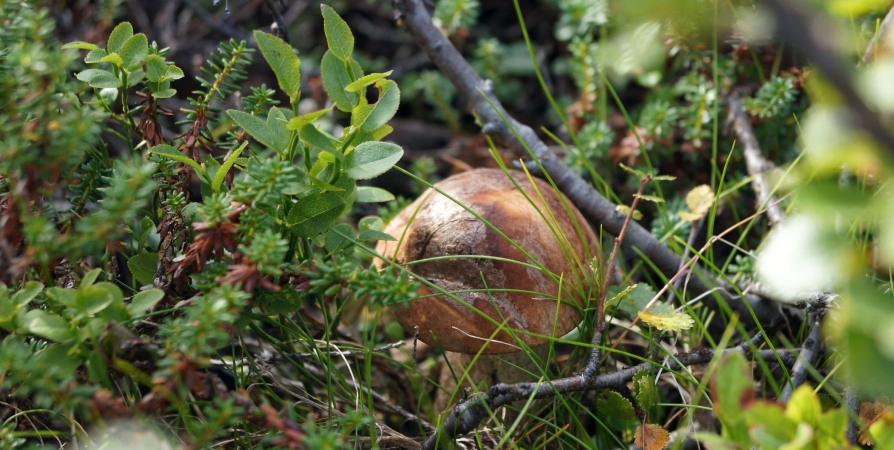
[90, 278]
[281, 302]
[170, 152]
[95, 56]
[371, 159]
[374, 235]
[338, 34]
[371, 117]
[93, 299]
[614, 404]
[135, 77]
[315, 138]
[650, 198]
[259, 130]
[225, 167]
[99, 78]
[134, 51]
[315, 213]
[165, 93]
[143, 301]
[335, 78]
[174, 72]
[143, 266]
[365, 81]
[108, 95]
[297, 122]
[620, 295]
[371, 194]
[732, 389]
[371, 223]
[80, 45]
[119, 36]
[113, 58]
[644, 389]
[24, 296]
[283, 61]
[156, 68]
[638, 298]
[47, 325]
[335, 237]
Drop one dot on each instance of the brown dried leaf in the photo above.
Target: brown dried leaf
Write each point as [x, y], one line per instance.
[651, 437]
[869, 413]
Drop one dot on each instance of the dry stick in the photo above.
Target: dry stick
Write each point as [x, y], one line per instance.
[869, 54]
[468, 413]
[794, 25]
[519, 137]
[593, 364]
[809, 352]
[755, 162]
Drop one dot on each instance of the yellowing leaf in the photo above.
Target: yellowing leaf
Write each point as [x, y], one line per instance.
[625, 210]
[699, 201]
[671, 321]
[651, 437]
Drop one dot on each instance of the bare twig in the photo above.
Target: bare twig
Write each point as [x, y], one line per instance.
[882, 33]
[853, 405]
[282, 27]
[521, 138]
[795, 26]
[754, 160]
[593, 364]
[468, 413]
[807, 357]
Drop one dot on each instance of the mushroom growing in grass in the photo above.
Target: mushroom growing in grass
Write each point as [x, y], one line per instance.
[504, 275]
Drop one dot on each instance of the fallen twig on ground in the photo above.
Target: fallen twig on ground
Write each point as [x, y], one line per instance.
[755, 162]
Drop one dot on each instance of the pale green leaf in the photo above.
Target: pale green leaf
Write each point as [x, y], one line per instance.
[335, 78]
[170, 152]
[372, 194]
[47, 325]
[295, 123]
[283, 61]
[374, 235]
[95, 56]
[113, 58]
[644, 389]
[613, 404]
[315, 213]
[174, 72]
[134, 51]
[143, 267]
[90, 277]
[225, 167]
[258, 129]
[371, 159]
[99, 78]
[81, 45]
[144, 300]
[316, 138]
[371, 117]
[365, 81]
[156, 68]
[338, 34]
[119, 36]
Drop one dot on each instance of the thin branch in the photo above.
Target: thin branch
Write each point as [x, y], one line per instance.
[282, 27]
[797, 27]
[755, 162]
[467, 414]
[809, 352]
[882, 33]
[520, 138]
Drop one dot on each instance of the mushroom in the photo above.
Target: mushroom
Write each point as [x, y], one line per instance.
[518, 284]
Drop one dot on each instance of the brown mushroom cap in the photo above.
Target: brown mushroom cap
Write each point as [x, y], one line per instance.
[443, 228]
